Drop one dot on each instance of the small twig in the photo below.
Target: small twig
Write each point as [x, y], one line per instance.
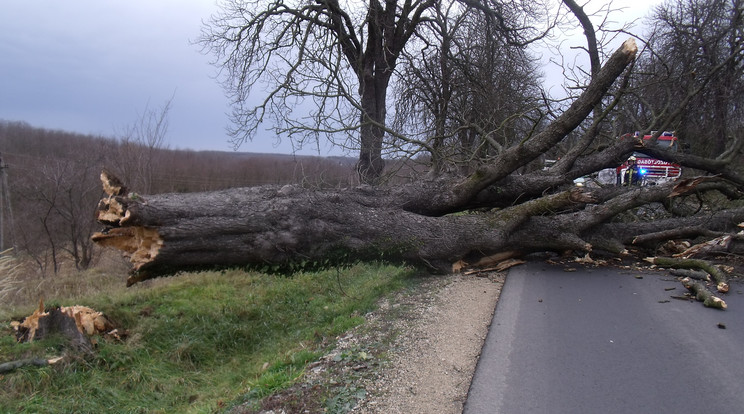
[338, 281]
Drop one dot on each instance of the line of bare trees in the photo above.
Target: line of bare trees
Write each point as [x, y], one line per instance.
[465, 77]
[694, 56]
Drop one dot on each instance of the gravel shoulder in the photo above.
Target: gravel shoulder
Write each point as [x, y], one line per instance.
[415, 354]
[433, 358]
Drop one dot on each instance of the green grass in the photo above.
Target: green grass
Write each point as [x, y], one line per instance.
[198, 342]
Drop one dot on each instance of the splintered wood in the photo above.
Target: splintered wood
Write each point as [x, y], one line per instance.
[110, 211]
[718, 245]
[87, 321]
[140, 244]
[112, 185]
[497, 262]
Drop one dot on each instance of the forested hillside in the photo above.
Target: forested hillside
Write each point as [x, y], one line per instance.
[51, 184]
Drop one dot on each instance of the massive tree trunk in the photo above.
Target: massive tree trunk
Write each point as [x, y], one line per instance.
[292, 225]
[289, 226]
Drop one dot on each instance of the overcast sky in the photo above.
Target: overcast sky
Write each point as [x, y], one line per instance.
[92, 66]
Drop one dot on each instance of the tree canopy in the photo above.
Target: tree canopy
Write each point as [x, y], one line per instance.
[337, 61]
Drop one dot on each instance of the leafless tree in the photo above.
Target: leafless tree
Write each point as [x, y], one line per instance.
[694, 60]
[335, 60]
[57, 206]
[139, 145]
[468, 92]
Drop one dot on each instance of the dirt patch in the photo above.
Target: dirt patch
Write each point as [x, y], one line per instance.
[415, 354]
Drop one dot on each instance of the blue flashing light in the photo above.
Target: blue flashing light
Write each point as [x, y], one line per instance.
[643, 171]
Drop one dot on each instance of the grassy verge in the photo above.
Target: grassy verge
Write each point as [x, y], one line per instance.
[199, 342]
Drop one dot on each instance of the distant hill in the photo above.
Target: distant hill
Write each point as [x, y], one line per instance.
[23, 146]
[50, 186]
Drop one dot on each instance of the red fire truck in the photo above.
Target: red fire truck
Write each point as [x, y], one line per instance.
[640, 169]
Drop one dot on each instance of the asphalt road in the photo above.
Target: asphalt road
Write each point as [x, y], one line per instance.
[601, 340]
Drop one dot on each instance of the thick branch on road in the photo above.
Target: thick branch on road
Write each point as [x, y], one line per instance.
[703, 295]
[718, 276]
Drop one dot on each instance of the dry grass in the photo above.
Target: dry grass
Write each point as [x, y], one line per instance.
[9, 276]
[22, 285]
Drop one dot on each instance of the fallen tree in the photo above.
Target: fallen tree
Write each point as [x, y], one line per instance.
[278, 226]
[437, 223]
